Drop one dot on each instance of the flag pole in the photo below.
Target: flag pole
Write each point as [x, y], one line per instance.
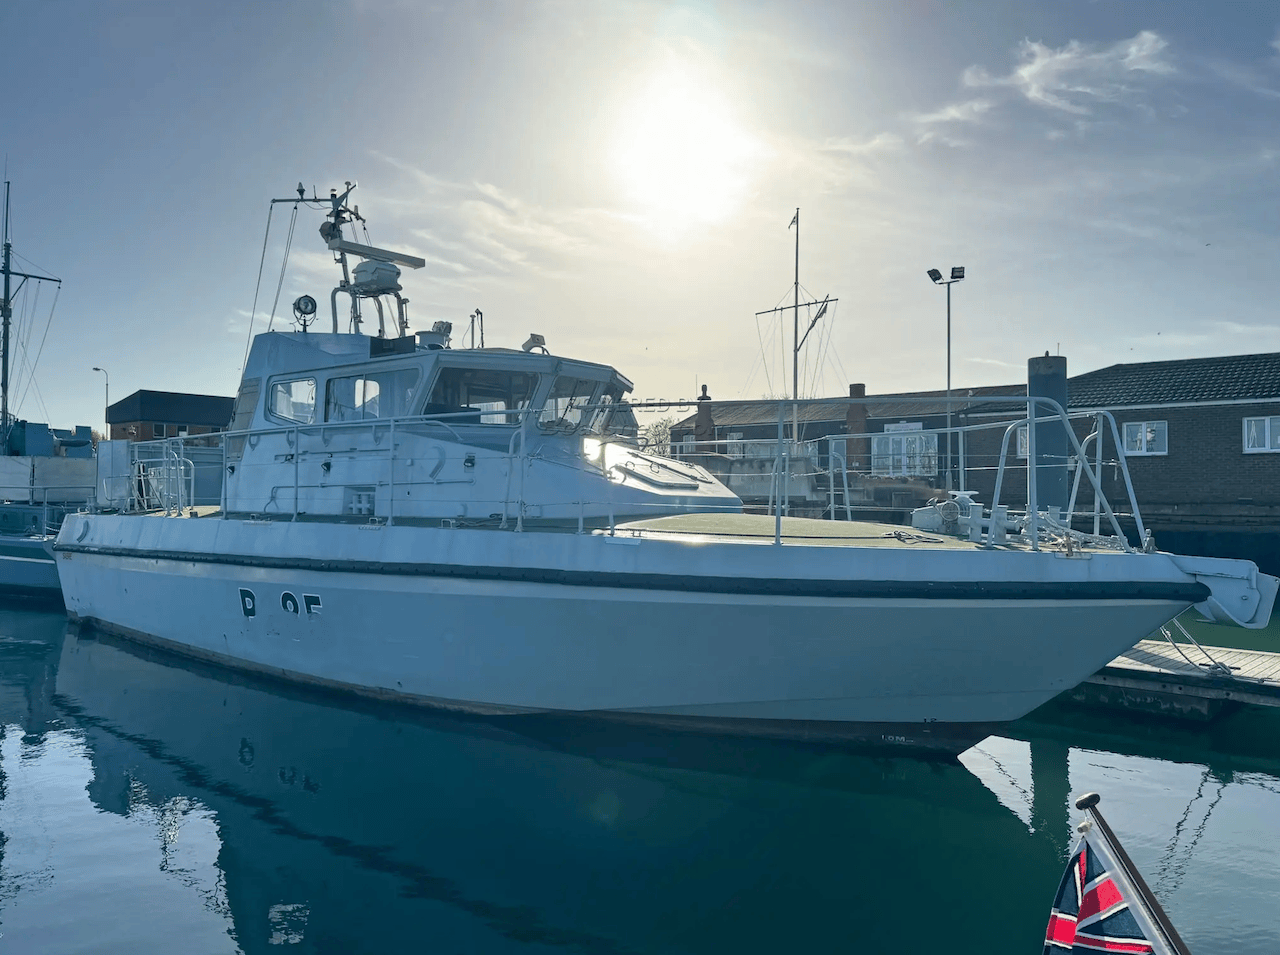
[1089, 803]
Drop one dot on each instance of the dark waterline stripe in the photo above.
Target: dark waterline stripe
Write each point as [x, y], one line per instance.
[1186, 592]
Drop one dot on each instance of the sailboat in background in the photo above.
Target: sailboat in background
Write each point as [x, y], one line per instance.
[44, 473]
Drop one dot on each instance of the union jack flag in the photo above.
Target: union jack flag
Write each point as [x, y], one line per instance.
[1097, 909]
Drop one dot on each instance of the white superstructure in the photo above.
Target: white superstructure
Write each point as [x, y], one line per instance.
[479, 529]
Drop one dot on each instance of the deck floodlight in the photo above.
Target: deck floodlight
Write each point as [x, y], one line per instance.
[957, 273]
[935, 275]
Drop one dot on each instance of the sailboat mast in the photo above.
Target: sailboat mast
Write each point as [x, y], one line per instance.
[7, 311]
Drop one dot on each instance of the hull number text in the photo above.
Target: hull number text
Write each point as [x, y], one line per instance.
[288, 603]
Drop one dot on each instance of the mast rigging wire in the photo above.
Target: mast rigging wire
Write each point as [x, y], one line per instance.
[24, 345]
[288, 246]
[253, 313]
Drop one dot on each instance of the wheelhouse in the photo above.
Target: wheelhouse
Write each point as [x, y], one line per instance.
[493, 389]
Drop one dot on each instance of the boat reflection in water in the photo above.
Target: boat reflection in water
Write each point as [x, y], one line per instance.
[336, 826]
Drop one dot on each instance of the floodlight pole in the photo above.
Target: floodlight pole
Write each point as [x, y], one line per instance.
[106, 412]
[948, 283]
[795, 343]
[949, 438]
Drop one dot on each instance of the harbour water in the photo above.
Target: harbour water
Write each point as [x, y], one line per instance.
[152, 804]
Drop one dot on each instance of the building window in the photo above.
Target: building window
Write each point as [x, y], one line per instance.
[1261, 435]
[900, 453]
[1146, 437]
[735, 448]
[158, 431]
[1024, 442]
[294, 400]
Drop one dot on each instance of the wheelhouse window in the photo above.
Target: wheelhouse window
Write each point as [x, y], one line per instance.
[495, 396]
[1261, 435]
[293, 400]
[902, 451]
[613, 416]
[568, 406]
[1146, 437]
[384, 394]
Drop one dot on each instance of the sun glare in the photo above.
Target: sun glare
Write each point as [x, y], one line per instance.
[679, 155]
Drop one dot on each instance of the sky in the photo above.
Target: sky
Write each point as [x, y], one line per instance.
[619, 176]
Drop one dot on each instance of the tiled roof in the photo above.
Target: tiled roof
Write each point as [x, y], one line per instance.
[729, 413]
[1227, 378]
[1232, 377]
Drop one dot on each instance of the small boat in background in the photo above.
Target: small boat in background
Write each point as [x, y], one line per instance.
[44, 473]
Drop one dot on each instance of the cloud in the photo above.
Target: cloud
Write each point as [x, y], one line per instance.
[516, 233]
[1075, 77]
[995, 362]
[967, 112]
[934, 137]
[881, 142]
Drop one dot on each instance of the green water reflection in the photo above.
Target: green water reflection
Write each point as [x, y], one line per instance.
[150, 804]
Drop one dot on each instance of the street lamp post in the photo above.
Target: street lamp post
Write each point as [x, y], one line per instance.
[957, 275]
[106, 425]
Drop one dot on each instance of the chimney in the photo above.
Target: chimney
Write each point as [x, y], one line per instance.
[704, 428]
[855, 422]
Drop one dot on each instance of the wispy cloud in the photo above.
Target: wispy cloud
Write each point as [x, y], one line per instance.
[995, 363]
[1075, 77]
[880, 143]
[969, 111]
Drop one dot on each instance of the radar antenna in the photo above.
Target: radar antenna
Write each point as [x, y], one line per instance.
[377, 275]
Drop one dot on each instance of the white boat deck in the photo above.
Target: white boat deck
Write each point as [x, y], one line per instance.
[797, 530]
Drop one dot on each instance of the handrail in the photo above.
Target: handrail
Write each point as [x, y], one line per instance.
[180, 486]
[1094, 480]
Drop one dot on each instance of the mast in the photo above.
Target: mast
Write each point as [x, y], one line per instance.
[796, 340]
[6, 312]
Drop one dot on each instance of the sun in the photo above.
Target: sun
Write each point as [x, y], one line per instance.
[679, 156]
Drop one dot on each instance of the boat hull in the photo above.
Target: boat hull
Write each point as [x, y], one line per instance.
[674, 633]
[28, 570]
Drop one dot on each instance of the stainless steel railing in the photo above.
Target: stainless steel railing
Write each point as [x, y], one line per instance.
[176, 473]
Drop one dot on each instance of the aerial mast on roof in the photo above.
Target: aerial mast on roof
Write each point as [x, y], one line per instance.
[376, 276]
[796, 340]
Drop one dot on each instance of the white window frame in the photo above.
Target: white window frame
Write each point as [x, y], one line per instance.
[1144, 428]
[281, 386]
[901, 452]
[735, 448]
[1270, 435]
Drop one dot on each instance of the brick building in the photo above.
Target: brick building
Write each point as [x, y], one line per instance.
[1202, 444]
[145, 415]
